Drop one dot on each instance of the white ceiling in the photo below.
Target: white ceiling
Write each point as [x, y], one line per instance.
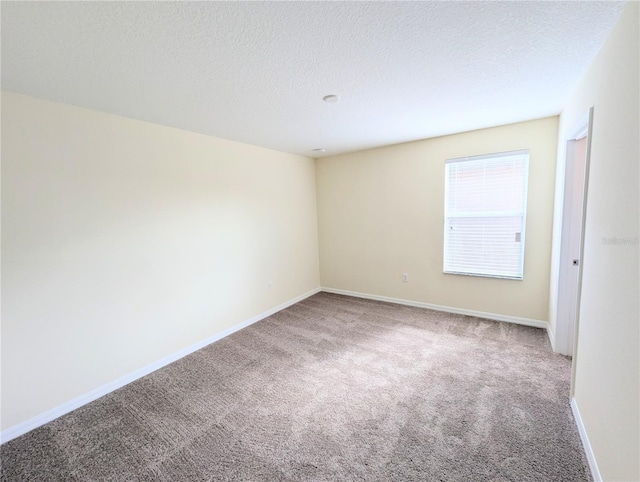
[257, 72]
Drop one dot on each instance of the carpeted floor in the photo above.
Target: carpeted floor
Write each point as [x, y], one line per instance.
[332, 388]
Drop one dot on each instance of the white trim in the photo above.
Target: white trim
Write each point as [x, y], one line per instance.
[552, 337]
[447, 309]
[495, 155]
[52, 414]
[591, 458]
[581, 128]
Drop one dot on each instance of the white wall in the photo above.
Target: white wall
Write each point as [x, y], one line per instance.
[607, 377]
[124, 241]
[381, 213]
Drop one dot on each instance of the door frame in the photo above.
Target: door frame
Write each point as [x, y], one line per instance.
[563, 338]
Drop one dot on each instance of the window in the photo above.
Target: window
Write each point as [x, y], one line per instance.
[485, 206]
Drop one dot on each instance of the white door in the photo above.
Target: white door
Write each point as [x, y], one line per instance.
[576, 175]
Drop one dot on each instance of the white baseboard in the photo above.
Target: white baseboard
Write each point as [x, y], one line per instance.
[552, 337]
[52, 414]
[447, 309]
[591, 458]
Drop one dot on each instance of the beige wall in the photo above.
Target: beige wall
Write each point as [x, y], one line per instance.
[381, 213]
[607, 383]
[124, 241]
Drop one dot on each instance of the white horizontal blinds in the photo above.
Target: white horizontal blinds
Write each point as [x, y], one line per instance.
[485, 215]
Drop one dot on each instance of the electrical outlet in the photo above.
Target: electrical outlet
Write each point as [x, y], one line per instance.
[405, 277]
[269, 285]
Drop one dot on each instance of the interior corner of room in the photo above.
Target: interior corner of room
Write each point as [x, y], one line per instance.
[127, 244]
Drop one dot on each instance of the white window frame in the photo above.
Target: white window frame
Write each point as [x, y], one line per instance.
[523, 212]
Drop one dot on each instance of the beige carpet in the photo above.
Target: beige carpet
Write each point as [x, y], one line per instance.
[332, 388]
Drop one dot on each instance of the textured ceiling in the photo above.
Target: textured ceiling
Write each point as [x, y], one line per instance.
[257, 72]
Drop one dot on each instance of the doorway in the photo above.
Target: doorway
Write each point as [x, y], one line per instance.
[578, 147]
